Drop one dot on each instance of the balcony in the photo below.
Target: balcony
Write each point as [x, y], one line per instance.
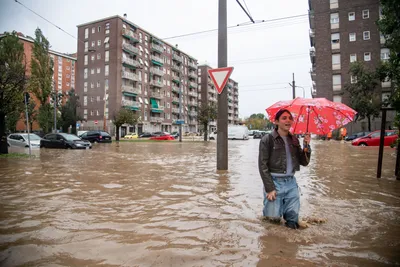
[235, 106]
[130, 90]
[192, 75]
[230, 104]
[192, 122]
[192, 93]
[236, 93]
[176, 79]
[230, 118]
[175, 89]
[386, 84]
[175, 110]
[157, 48]
[192, 66]
[130, 35]
[156, 119]
[133, 105]
[193, 113]
[130, 49]
[311, 19]
[312, 37]
[155, 107]
[156, 83]
[130, 63]
[130, 76]
[193, 85]
[157, 71]
[312, 54]
[212, 99]
[313, 74]
[175, 67]
[157, 95]
[175, 100]
[192, 103]
[156, 60]
[177, 58]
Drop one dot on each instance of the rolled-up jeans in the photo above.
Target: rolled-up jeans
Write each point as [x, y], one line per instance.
[287, 202]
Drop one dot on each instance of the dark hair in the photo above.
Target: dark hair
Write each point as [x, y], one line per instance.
[280, 112]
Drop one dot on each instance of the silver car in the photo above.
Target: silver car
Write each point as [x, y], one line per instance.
[21, 140]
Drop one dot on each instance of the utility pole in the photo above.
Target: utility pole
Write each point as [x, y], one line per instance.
[26, 97]
[180, 111]
[55, 110]
[294, 87]
[222, 121]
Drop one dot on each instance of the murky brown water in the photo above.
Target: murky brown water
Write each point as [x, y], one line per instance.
[164, 204]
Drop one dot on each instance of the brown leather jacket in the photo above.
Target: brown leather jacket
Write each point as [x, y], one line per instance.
[272, 157]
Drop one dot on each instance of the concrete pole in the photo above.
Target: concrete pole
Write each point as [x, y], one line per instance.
[222, 122]
[180, 111]
[294, 88]
[27, 122]
[55, 110]
[381, 144]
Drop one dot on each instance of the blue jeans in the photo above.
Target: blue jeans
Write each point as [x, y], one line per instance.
[287, 202]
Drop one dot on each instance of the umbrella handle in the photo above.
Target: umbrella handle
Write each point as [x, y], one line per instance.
[305, 144]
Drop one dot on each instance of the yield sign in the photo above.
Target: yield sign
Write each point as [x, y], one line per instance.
[220, 77]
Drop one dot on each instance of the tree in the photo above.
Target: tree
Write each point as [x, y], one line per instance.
[12, 83]
[363, 96]
[207, 112]
[124, 116]
[258, 122]
[69, 115]
[32, 113]
[12, 119]
[41, 79]
[257, 116]
[389, 26]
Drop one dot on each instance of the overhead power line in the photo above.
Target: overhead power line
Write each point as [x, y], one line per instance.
[247, 13]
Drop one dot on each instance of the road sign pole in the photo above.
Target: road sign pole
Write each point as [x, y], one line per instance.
[27, 122]
[180, 111]
[222, 121]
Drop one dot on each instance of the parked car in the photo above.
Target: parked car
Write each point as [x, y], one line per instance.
[21, 140]
[355, 136]
[131, 136]
[213, 135]
[145, 135]
[259, 134]
[164, 136]
[373, 139]
[64, 140]
[236, 132]
[175, 135]
[97, 137]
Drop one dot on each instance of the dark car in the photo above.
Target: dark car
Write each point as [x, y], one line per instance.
[144, 135]
[355, 136]
[258, 134]
[175, 134]
[64, 140]
[97, 137]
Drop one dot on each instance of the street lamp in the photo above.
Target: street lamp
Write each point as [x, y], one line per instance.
[304, 93]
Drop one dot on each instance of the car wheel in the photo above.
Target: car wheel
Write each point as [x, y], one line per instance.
[362, 144]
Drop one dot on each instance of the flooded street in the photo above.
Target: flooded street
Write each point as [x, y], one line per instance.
[164, 204]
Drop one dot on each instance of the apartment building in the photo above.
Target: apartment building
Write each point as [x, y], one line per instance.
[342, 32]
[123, 65]
[209, 94]
[64, 71]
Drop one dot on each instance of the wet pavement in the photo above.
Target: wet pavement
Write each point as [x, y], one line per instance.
[164, 204]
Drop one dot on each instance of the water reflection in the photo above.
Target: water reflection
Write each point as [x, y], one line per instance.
[164, 204]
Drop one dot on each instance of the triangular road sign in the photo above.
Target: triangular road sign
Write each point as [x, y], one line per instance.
[220, 77]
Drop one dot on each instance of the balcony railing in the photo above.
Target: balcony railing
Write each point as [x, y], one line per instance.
[130, 76]
[192, 122]
[130, 35]
[157, 71]
[131, 62]
[175, 67]
[235, 105]
[155, 58]
[157, 48]
[176, 78]
[177, 58]
[130, 48]
[130, 103]
[130, 89]
[192, 75]
[156, 83]
[175, 89]
[213, 99]
[192, 65]
[192, 103]
[175, 110]
[156, 119]
[157, 95]
[193, 85]
[175, 100]
[192, 113]
[192, 93]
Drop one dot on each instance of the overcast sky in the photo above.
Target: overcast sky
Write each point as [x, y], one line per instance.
[264, 55]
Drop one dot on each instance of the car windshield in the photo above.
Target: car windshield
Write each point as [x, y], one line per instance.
[70, 137]
[104, 134]
[32, 137]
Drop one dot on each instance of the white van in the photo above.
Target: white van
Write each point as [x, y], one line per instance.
[238, 132]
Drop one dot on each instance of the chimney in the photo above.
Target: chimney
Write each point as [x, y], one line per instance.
[125, 16]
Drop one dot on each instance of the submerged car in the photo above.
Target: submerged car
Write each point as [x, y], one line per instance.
[162, 136]
[355, 136]
[373, 139]
[97, 137]
[21, 140]
[131, 136]
[64, 140]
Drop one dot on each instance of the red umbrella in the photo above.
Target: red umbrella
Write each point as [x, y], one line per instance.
[316, 115]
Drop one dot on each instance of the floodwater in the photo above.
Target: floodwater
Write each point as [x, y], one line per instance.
[164, 204]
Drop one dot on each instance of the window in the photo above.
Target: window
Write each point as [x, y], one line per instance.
[85, 86]
[385, 53]
[352, 16]
[336, 62]
[366, 35]
[98, 70]
[98, 84]
[85, 100]
[146, 37]
[67, 84]
[91, 99]
[98, 56]
[86, 46]
[334, 4]
[335, 38]
[385, 97]
[106, 70]
[107, 40]
[365, 14]
[367, 56]
[85, 73]
[98, 42]
[86, 33]
[107, 56]
[85, 112]
[68, 68]
[145, 77]
[91, 113]
[98, 99]
[92, 71]
[352, 37]
[337, 82]
[337, 98]
[140, 35]
[107, 28]
[93, 43]
[353, 58]
[92, 85]
[334, 20]
[93, 30]
[99, 29]
[168, 105]
[85, 60]
[92, 57]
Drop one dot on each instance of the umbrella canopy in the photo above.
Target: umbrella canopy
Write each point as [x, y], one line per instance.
[315, 115]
